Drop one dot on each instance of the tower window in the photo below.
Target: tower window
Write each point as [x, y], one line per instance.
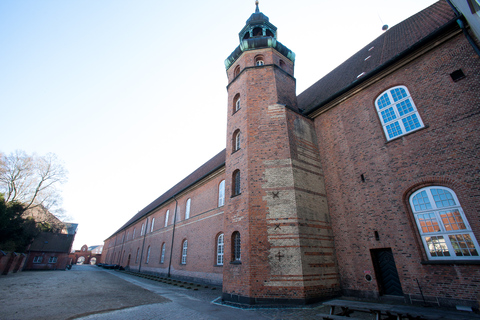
[236, 140]
[236, 183]
[236, 103]
[236, 72]
[236, 246]
[282, 64]
[259, 61]
[257, 32]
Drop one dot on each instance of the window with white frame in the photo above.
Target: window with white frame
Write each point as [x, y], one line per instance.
[236, 103]
[166, 217]
[37, 259]
[184, 252]
[236, 140]
[187, 209]
[153, 224]
[162, 255]
[52, 260]
[220, 249]
[397, 112]
[221, 193]
[148, 255]
[442, 224]
[236, 190]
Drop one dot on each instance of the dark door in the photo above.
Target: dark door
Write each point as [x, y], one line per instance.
[386, 272]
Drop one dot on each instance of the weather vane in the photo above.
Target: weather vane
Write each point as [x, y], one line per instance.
[256, 3]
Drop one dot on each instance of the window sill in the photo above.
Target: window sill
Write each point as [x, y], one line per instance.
[235, 151]
[450, 262]
[236, 262]
[236, 195]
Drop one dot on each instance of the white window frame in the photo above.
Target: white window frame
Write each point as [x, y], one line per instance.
[52, 260]
[166, 217]
[184, 252]
[393, 117]
[37, 259]
[148, 255]
[187, 208]
[434, 231]
[220, 249]
[153, 224]
[221, 194]
[162, 255]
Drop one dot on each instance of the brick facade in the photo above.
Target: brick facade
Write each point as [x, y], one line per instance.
[324, 198]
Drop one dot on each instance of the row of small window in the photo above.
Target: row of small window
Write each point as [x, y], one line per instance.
[445, 231]
[39, 259]
[220, 249]
[258, 61]
[144, 230]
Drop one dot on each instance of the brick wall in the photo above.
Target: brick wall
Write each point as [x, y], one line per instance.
[446, 153]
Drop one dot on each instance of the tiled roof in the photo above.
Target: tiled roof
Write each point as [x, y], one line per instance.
[209, 167]
[52, 242]
[387, 48]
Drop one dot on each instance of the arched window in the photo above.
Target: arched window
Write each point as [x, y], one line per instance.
[138, 253]
[166, 217]
[220, 249]
[153, 224]
[236, 183]
[221, 193]
[236, 140]
[148, 255]
[143, 229]
[184, 252]
[282, 64]
[236, 246]
[442, 224]
[236, 72]
[257, 32]
[236, 103]
[397, 112]
[162, 254]
[187, 209]
[127, 236]
[133, 237]
[259, 61]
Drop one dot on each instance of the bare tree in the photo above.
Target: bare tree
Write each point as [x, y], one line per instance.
[31, 179]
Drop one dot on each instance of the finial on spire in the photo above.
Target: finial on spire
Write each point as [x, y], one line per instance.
[256, 9]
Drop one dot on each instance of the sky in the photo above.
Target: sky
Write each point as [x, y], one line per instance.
[131, 94]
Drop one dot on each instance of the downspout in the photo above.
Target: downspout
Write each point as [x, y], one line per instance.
[143, 245]
[461, 24]
[173, 237]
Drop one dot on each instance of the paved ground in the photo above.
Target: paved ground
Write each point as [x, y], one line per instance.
[89, 292]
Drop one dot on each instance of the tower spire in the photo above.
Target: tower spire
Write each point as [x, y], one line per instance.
[256, 9]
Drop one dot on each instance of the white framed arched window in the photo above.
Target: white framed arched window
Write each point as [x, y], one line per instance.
[153, 224]
[442, 224]
[147, 259]
[220, 249]
[162, 254]
[184, 252]
[187, 209]
[221, 193]
[166, 217]
[397, 112]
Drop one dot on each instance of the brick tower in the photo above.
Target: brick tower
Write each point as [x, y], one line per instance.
[278, 238]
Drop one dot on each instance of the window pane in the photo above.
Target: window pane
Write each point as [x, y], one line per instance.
[421, 202]
[428, 222]
[394, 130]
[220, 250]
[452, 220]
[388, 115]
[398, 94]
[463, 245]
[383, 101]
[404, 107]
[443, 198]
[437, 246]
[411, 122]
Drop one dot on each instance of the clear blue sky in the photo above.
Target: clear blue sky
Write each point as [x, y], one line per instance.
[131, 94]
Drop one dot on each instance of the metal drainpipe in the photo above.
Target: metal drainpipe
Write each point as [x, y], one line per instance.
[143, 245]
[464, 29]
[173, 237]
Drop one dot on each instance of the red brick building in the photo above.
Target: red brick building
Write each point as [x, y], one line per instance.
[365, 185]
